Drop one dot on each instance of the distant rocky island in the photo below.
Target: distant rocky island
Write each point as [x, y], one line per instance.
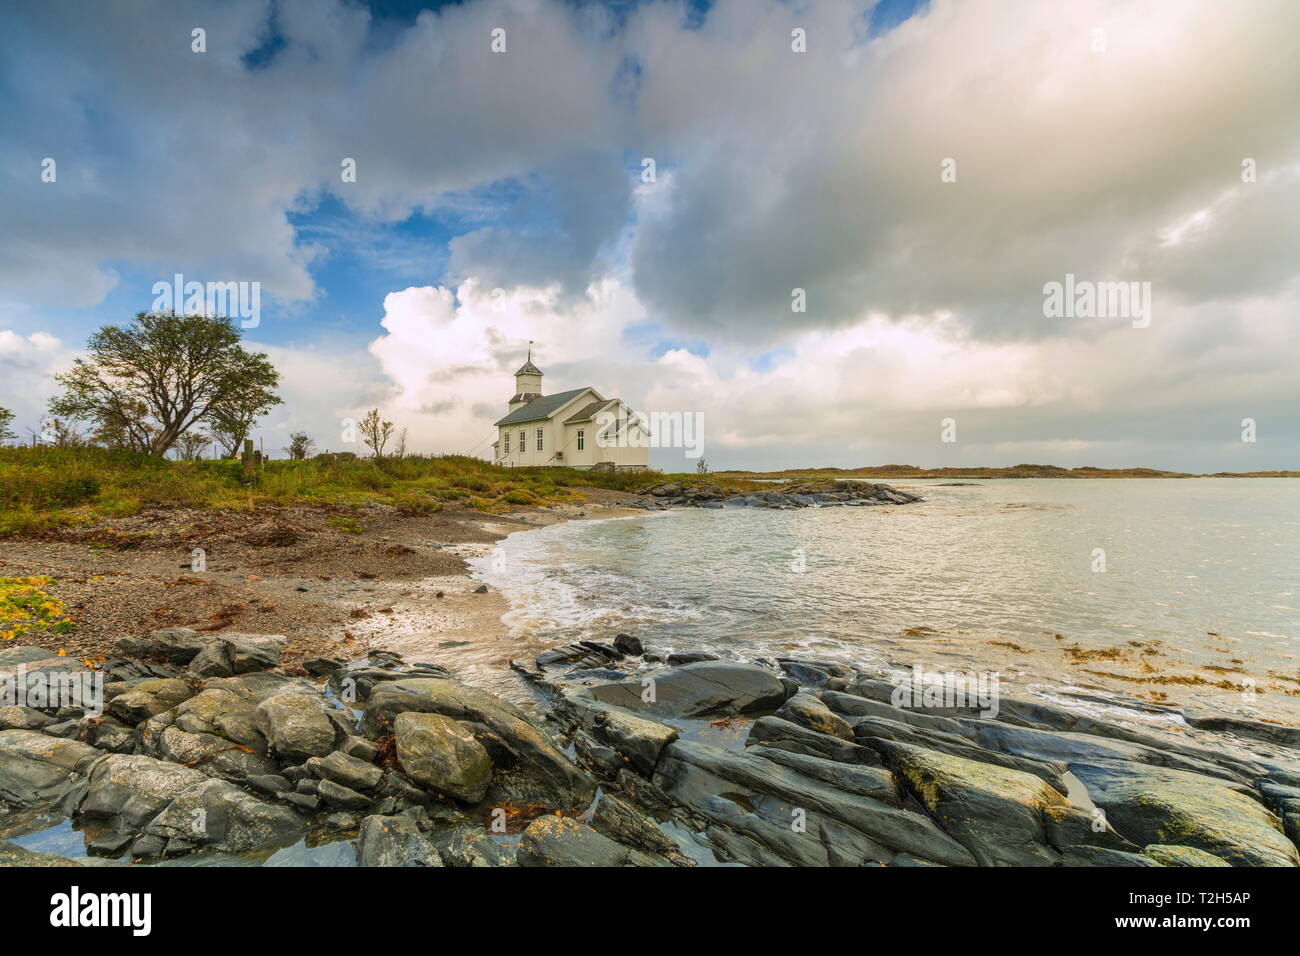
[1012, 471]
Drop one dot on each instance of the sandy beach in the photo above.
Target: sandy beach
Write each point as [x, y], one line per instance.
[336, 583]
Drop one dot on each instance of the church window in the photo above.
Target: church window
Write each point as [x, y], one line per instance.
[580, 439]
[506, 449]
[523, 441]
[539, 439]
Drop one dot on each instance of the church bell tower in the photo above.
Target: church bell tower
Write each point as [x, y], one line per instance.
[528, 383]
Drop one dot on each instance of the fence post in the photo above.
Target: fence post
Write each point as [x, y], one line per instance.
[248, 459]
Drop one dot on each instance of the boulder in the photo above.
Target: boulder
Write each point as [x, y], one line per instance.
[677, 658]
[467, 847]
[394, 841]
[176, 645]
[129, 790]
[214, 731]
[16, 654]
[638, 740]
[351, 772]
[36, 770]
[222, 713]
[262, 685]
[337, 795]
[214, 756]
[149, 698]
[442, 755]
[529, 768]
[295, 726]
[215, 814]
[811, 712]
[704, 689]
[996, 813]
[14, 717]
[1150, 805]
[562, 841]
[230, 654]
[628, 644]
[105, 733]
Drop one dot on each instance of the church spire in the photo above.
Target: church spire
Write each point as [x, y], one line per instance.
[528, 368]
[528, 382]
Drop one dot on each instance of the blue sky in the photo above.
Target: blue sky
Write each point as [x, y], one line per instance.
[360, 259]
[500, 198]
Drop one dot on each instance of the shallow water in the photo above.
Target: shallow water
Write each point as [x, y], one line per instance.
[1197, 602]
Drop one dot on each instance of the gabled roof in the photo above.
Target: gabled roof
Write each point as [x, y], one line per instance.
[528, 368]
[588, 412]
[543, 407]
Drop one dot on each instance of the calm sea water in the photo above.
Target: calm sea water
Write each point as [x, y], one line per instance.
[1199, 601]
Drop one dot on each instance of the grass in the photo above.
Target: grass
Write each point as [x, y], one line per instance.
[46, 488]
[26, 607]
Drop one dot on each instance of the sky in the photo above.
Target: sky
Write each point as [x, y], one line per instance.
[829, 228]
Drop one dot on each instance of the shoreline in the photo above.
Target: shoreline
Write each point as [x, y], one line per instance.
[342, 759]
[336, 582]
[404, 584]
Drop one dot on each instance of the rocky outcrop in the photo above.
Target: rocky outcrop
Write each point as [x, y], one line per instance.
[563, 841]
[295, 726]
[216, 730]
[808, 494]
[703, 689]
[771, 763]
[796, 816]
[1182, 856]
[527, 767]
[217, 815]
[37, 770]
[149, 698]
[997, 814]
[394, 841]
[834, 773]
[129, 790]
[1159, 806]
[443, 756]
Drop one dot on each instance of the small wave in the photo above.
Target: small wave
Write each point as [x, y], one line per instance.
[577, 600]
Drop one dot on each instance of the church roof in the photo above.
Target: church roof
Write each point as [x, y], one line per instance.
[588, 412]
[528, 368]
[543, 407]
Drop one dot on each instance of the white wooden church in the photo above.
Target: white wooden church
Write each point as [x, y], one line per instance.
[579, 428]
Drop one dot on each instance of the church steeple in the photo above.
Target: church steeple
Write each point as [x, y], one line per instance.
[528, 382]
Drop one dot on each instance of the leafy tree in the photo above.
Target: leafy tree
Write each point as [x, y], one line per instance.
[145, 385]
[702, 467]
[375, 432]
[7, 434]
[300, 446]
